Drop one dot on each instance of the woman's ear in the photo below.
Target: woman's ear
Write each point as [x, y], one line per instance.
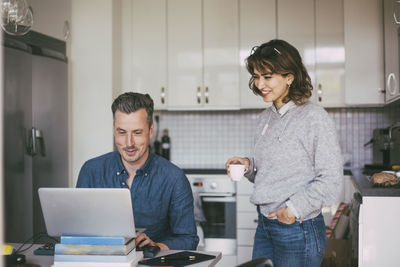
[289, 79]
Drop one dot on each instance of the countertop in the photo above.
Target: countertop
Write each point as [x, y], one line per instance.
[47, 261]
[223, 171]
[366, 189]
[360, 181]
[204, 171]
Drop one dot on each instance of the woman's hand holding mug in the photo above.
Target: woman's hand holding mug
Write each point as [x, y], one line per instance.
[239, 167]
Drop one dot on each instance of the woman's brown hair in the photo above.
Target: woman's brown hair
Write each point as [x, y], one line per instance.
[282, 58]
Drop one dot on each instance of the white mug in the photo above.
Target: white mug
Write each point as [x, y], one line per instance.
[236, 171]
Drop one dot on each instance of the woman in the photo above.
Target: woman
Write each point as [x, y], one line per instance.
[297, 167]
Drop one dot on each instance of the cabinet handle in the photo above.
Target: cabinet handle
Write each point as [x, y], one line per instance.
[206, 95]
[319, 92]
[391, 83]
[255, 220]
[162, 95]
[395, 19]
[66, 30]
[36, 135]
[198, 95]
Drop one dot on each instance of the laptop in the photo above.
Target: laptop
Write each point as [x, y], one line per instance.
[88, 211]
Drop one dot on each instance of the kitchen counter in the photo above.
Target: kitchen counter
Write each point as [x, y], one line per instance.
[366, 189]
[223, 171]
[374, 222]
[203, 171]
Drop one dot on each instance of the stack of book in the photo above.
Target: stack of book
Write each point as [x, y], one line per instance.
[99, 251]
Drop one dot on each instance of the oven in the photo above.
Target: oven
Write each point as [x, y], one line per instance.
[215, 195]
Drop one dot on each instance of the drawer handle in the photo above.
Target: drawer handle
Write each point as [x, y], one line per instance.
[319, 92]
[198, 95]
[255, 220]
[162, 95]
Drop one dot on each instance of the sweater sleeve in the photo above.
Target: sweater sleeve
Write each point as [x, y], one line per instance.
[251, 172]
[322, 146]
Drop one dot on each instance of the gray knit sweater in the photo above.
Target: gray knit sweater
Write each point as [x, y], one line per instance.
[297, 161]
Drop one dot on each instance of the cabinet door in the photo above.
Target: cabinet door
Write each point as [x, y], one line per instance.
[363, 40]
[243, 204]
[244, 254]
[245, 237]
[329, 56]
[391, 13]
[296, 26]
[149, 52]
[244, 187]
[247, 220]
[185, 59]
[221, 53]
[373, 236]
[257, 26]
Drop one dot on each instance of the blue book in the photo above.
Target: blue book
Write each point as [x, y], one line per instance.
[79, 249]
[95, 258]
[94, 240]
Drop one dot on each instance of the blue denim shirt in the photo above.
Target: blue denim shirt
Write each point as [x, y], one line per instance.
[162, 199]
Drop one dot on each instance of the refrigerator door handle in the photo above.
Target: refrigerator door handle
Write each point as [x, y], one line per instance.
[32, 142]
[36, 135]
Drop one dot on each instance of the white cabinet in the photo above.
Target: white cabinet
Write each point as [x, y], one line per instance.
[149, 50]
[363, 39]
[391, 26]
[203, 56]
[245, 237]
[318, 36]
[221, 52]
[257, 26]
[379, 232]
[243, 204]
[189, 54]
[185, 58]
[51, 17]
[296, 26]
[246, 221]
[244, 254]
[346, 194]
[329, 54]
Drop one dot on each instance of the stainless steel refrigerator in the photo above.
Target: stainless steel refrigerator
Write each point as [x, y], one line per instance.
[35, 128]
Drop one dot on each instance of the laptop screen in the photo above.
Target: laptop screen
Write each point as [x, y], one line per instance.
[87, 211]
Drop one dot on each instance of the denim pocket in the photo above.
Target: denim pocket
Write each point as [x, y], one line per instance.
[318, 226]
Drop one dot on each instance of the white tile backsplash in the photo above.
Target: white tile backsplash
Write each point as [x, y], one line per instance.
[206, 139]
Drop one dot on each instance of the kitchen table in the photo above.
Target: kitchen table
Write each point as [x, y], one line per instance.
[47, 261]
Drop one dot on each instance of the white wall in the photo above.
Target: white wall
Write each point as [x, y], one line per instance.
[91, 62]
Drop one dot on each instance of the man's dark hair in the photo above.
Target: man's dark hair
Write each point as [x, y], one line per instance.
[130, 102]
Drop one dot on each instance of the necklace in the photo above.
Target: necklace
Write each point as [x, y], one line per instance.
[264, 130]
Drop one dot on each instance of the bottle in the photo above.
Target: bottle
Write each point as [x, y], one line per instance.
[165, 145]
[156, 144]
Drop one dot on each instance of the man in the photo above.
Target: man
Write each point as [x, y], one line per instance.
[162, 199]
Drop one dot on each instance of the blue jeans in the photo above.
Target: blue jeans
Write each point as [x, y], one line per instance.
[290, 245]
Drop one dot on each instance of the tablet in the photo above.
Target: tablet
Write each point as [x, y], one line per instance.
[87, 211]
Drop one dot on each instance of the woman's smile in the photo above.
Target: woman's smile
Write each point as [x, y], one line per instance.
[274, 87]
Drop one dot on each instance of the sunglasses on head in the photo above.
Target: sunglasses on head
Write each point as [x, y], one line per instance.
[265, 51]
